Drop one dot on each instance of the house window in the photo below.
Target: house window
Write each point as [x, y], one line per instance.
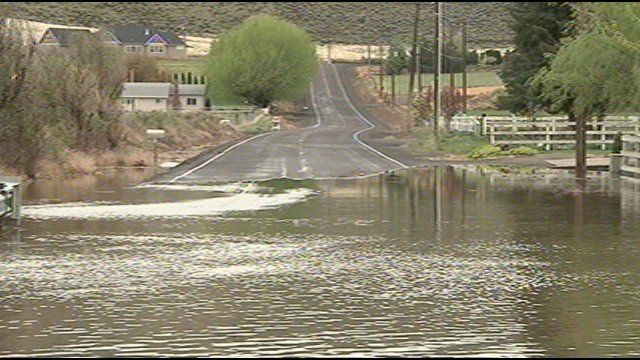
[192, 101]
[129, 49]
[156, 49]
[159, 101]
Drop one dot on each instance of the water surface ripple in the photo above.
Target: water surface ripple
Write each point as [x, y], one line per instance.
[443, 261]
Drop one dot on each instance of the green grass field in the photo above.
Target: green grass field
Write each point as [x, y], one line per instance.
[474, 79]
[194, 66]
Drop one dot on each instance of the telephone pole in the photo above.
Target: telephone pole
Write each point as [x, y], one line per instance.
[437, 67]
[393, 89]
[464, 66]
[452, 63]
[418, 69]
[381, 71]
[414, 49]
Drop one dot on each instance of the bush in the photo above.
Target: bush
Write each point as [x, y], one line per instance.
[522, 150]
[264, 60]
[488, 151]
[617, 144]
[485, 151]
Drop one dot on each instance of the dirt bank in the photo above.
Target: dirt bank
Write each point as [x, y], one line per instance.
[187, 134]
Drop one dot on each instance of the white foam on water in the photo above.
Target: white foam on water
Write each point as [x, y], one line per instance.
[226, 188]
[235, 202]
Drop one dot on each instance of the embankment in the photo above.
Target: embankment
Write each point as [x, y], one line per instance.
[187, 134]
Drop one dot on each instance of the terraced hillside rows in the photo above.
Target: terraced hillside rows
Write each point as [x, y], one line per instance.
[345, 22]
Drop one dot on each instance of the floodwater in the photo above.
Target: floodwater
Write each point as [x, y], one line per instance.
[437, 261]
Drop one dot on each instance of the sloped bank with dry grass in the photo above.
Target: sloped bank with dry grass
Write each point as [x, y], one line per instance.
[187, 134]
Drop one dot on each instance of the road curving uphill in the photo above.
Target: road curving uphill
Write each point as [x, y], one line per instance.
[331, 148]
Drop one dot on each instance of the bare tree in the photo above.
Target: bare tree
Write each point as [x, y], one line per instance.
[22, 136]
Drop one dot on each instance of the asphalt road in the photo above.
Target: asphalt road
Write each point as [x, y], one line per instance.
[331, 148]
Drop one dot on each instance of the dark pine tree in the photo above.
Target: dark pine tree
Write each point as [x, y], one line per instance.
[538, 28]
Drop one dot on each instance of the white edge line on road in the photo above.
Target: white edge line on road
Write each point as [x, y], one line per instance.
[192, 170]
[315, 107]
[371, 125]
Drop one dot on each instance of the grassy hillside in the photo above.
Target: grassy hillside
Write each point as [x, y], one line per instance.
[346, 22]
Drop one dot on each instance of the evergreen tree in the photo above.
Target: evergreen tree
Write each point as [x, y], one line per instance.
[398, 60]
[538, 27]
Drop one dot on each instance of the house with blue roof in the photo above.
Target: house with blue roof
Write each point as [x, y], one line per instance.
[146, 40]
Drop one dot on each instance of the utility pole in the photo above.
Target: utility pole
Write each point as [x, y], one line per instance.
[452, 63]
[438, 67]
[414, 49]
[381, 72]
[393, 88]
[418, 69]
[464, 66]
[368, 22]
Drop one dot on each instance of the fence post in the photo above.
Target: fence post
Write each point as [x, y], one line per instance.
[547, 146]
[553, 128]
[603, 137]
[483, 125]
[492, 137]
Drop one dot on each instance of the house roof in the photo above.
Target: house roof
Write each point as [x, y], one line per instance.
[65, 36]
[140, 35]
[185, 89]
[146, 90]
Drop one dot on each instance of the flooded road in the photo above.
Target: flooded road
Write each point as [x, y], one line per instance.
[436, 261]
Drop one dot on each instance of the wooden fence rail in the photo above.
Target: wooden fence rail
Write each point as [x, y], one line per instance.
[554, 130]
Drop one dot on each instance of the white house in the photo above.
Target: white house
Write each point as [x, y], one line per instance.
[146, 96]
[162, 97]
[192, 97]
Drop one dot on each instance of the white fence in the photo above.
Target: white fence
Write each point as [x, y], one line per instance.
[555, 130]
[465, 123]
[630, 156]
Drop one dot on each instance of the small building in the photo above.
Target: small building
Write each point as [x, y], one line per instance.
[145, 40]
[162, 97]
[61, 37]
[146, 96]
[192, 97]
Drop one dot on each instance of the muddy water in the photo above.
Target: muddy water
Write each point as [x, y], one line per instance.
[445, 261]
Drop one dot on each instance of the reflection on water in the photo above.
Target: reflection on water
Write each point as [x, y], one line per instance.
[445, 261]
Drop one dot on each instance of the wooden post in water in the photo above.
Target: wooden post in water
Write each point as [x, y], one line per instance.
[581, 145]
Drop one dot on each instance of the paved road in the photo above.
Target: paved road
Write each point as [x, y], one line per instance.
[330, 148]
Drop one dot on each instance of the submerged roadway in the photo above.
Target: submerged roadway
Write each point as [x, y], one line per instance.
[330, 148]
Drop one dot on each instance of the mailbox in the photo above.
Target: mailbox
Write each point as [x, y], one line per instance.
[155, 133]
[10, 197]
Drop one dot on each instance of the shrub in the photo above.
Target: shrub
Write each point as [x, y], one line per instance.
[485, 151]
[264, 60]
[617, 144]
[522, 150]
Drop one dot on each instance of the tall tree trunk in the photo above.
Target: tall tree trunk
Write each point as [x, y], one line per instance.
[581, 144]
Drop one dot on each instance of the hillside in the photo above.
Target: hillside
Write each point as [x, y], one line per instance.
[345, 22]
